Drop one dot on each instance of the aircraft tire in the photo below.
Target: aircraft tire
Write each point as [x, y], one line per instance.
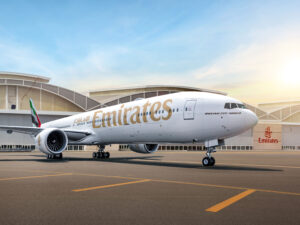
[106, 155]
[205, 161]
[212, 161]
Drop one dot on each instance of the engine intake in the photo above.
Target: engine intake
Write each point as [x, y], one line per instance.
[52, 141]
[144, 148]
[56, 141]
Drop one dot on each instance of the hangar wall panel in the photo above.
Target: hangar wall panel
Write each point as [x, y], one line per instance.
[244, 139]
[2, 97]
[290, 135]
[267, 137]
[24, 94]
[47, 101]
[64, 105]
[11, 96]
[52, 102]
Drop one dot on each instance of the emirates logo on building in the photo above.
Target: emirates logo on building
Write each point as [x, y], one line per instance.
[268, 137]
[268, 132]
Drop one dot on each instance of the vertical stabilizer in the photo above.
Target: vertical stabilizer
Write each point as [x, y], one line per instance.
[34, 116]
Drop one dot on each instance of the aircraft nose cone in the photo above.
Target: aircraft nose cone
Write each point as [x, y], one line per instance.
[252, 118]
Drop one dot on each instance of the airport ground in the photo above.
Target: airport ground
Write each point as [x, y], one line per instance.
[244, 187]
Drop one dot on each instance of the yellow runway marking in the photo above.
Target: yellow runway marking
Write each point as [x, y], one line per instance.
[110, 185]
[27, 170]
[99, 175]
[230, 201]
[191, 183]
[33, 177]
[228, 187]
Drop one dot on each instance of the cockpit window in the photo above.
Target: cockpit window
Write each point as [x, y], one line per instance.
[241, 106]
[234, 105]
[227, 106]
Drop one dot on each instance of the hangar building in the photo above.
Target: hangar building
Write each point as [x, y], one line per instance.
[52, 102]
[278, 127]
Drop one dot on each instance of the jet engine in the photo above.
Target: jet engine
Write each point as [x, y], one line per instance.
[51, 141]
[144, 148]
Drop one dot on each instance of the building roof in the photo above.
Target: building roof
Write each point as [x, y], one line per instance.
[24, 76]
[42, 83]
[149, 87]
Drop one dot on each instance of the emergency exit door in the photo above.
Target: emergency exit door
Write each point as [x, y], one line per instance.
[189, 109]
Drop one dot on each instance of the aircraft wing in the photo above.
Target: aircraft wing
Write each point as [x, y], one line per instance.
[72, 134]
[20, 129]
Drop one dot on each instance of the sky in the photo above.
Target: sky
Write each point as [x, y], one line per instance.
[248, 49]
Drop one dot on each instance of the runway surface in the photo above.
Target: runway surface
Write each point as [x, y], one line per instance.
[244, 187]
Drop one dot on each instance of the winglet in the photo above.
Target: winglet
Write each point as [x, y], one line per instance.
[34, 116]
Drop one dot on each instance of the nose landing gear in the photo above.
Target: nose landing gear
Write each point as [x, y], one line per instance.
[101, 154]
[209, 160]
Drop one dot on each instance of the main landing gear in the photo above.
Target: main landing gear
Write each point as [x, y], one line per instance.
[101, 154]
[209, 160]
[55, 156]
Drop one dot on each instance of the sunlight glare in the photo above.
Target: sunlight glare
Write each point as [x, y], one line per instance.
[291, 72]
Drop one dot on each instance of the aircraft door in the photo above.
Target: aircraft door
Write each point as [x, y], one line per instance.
[189, 110]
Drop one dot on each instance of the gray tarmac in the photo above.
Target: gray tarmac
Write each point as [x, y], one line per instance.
[244, 187]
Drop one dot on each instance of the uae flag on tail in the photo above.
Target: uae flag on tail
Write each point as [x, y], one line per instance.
[34, 116]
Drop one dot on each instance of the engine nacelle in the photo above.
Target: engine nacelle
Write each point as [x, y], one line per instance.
[51, 141]
[144, 148]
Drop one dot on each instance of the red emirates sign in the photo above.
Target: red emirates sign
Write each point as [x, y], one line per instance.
[268, 137]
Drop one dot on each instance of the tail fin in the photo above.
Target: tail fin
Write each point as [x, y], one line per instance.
[34, 116]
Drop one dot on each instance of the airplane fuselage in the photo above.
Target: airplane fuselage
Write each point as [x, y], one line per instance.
[183, 117]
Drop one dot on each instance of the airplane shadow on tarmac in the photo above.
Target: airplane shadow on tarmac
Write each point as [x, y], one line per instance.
[147, 160]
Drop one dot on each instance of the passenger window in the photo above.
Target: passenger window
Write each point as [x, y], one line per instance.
[177, 109]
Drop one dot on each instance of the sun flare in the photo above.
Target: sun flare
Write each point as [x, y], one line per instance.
[290, 73]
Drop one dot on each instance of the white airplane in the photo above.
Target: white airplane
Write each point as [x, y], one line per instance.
[143, 124]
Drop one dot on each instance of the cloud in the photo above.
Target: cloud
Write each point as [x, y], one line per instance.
[20, 58]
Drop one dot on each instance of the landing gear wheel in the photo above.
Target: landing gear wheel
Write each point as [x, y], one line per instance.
[205, 161]
[101, 154]
[106, 155]
[212, 161]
